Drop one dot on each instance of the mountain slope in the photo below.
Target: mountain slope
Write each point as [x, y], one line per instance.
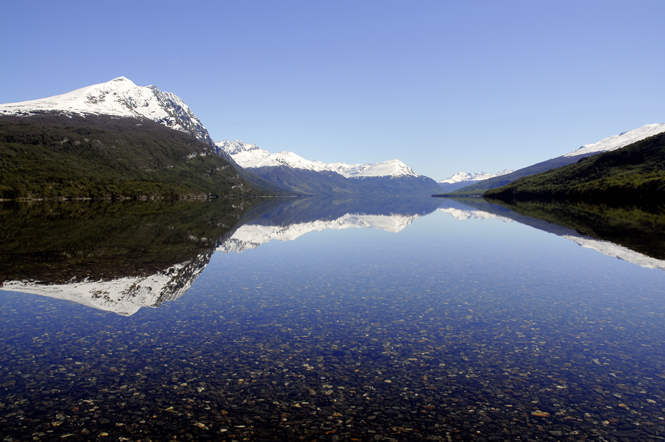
[96, 156]
[633, 175]
[502, 180]
[618, 141]
[119, 97]
[607, 144]
[114, 140]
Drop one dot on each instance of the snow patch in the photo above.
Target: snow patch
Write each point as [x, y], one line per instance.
[461, 177]
[618, 141]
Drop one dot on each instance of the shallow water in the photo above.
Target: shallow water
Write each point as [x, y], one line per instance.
[434, 328]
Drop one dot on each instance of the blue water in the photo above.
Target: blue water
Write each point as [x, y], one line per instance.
[448, 330]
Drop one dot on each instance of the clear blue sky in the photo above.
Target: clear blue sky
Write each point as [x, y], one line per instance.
[445, 86]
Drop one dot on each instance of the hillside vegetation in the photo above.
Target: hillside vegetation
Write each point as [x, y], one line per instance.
[633, 175]
[52, 156]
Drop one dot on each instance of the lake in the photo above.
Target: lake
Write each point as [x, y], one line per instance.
[327, 319]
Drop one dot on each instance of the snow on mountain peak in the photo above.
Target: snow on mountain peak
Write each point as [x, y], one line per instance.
[618, 141]
[461, 177]
[251, 156]
[122, 83]
[235, 147]
[392, 168]
[118, 97]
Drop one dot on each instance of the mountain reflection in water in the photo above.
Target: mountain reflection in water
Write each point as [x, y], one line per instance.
[627, 234]
[116, 257]
[482, 330]
[124, 256]
[292, 219]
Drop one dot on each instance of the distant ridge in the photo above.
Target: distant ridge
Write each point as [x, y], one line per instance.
[297, 174]
[463, 179]
[605, 145]
[250, 156]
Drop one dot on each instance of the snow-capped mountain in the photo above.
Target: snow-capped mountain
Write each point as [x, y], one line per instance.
[463, 179]
[618, 141]
[299, 175]
[390, 168]
[119, 97]
[124, 296]
[250, 156]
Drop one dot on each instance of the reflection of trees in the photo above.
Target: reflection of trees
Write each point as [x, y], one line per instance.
[631, 227]
[101, 240]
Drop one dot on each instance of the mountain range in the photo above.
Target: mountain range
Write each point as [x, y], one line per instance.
[250, 156]
[299, 175]
[89, 167]
[117, 140]
[476, 183]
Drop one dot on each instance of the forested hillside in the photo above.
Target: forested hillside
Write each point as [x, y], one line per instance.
[52, 156]
[633, 175]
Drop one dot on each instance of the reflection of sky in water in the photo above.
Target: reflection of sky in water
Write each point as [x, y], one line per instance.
[448, 328]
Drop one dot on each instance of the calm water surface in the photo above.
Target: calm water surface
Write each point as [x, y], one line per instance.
[430, 324]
